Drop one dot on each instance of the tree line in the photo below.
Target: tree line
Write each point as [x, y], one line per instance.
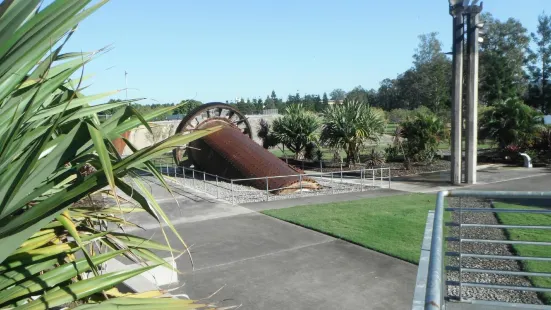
[513, 64]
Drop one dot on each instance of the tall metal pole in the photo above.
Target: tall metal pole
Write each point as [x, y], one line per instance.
[471, 143]
[456, 154]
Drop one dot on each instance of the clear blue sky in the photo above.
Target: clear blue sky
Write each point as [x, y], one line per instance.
[219, 50]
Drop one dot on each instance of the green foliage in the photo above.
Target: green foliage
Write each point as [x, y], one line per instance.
[54, 152]
[358, 93]
[539, 66]
[269, 140]
[296, 129]
[186, 106]
[337, 94]
[381, 112]
[398, 115]
[375, 159]
[246, 107]
[502, 59]
[349, 125]
[432, 76]
[324, 102]
[511, 122]
[543, 139]
[311, 150]
[392, 152]
[423, 133]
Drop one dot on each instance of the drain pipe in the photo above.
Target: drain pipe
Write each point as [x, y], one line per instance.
[527, 160]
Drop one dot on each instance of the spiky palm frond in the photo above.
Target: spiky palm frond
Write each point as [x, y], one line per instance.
[351, 124]
[54, 152]
[296, 129]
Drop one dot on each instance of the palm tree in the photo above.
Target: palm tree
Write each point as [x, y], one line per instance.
[54, 154]
[349, 125]
[296, 129]
[511, 122]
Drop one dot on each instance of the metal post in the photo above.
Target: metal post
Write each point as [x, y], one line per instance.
[389, 177]
[193, 176]
[457, 121]
[217, 195]
[331, 184]
[381, 169]
[472, 94]
[204, 182]
[232, 194]
[321, 167]
[460, 248]
[361, 180]
[434, 297]
[267, 191]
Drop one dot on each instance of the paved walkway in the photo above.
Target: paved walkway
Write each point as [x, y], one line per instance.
[438, 181]
[264, 263]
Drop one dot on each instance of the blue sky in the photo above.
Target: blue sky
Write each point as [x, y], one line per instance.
[219, 50]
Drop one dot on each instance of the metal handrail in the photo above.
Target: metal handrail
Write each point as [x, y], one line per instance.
[323, 176]
[434, 296]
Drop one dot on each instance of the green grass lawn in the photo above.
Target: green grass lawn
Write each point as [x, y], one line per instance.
[529, 235]
[392, 225]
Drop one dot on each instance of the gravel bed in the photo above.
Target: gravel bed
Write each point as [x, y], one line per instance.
[247, 194]
[481, 248]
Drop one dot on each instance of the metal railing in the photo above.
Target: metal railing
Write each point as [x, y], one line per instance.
[431, 291]
[332, 182]
[239, 191]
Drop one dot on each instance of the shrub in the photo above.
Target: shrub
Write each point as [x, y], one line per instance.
[542, 142]
[269, 140]
[375, 159]
[511, 122]
[534, 155]
[421, 110]
[423, 134]
[398, 115]
[511, 152]
[349, 125]
[381, 112]
[391, 153]
[310, 151]
[296, 129]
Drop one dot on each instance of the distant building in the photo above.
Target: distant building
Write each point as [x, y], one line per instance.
[332, 102]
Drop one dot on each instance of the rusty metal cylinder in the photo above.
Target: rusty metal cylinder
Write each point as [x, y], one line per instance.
[233, 155]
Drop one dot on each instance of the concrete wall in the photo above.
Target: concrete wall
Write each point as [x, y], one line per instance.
[141, 138]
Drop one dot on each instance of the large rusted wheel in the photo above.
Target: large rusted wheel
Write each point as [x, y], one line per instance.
[232, 154]
[213, 114]
[209, 115]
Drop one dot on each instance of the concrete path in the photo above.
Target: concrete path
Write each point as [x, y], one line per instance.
[259, 262]
[438, 181]
[263, 263]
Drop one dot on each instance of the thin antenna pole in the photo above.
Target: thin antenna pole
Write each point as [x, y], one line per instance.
[126, 83]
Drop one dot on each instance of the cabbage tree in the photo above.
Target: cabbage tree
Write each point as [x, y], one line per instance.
[54, 152]
[349, 125]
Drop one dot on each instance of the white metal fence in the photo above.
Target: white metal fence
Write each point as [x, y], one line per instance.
[238, 191]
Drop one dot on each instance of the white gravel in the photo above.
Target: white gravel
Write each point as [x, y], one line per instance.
[484, 248]
[246, 194]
